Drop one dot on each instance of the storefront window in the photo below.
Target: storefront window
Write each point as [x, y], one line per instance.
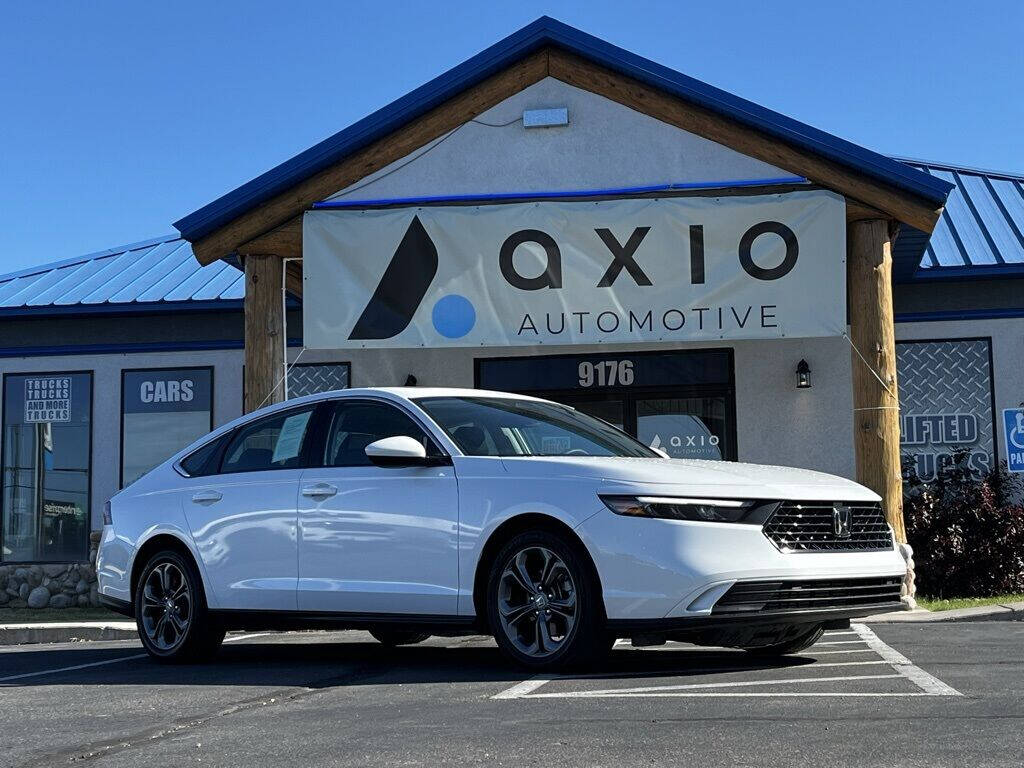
[683, 427]
[163, 410]
[46, 467]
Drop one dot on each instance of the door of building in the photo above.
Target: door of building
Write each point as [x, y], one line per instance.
[682, 402]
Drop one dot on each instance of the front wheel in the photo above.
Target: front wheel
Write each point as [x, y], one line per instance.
[170, 611]
[543, 603]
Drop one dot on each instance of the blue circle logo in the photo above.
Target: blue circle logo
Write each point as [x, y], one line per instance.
[453, 316]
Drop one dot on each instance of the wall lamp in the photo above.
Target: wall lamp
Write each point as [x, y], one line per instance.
[803, 375]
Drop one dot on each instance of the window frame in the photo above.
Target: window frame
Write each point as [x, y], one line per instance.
[442, 459]
[91, 373]
[213, 391]
[310, 439]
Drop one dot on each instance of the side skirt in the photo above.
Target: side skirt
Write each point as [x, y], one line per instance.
[447, 626]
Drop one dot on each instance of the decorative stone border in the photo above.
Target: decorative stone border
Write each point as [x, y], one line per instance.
[51, 585]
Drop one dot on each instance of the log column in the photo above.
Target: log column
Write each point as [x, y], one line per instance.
[264, 331]
[876, 407]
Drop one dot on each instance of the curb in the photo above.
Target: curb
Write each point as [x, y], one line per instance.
[999, 612]
[57, 632]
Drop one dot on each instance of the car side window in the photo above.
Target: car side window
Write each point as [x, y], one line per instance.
[357, 424]
[271, 443]
[201, 462]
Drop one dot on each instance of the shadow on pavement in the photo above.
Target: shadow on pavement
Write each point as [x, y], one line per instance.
[313, 664]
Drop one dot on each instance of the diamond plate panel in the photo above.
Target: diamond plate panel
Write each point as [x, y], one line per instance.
[945, 390]
[314, 378]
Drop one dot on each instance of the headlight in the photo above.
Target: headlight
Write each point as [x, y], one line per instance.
[678, 508]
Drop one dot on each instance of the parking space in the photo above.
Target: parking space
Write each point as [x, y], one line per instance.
[842, 664]
[882, 695]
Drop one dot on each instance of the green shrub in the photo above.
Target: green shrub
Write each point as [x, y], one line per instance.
[967, 531]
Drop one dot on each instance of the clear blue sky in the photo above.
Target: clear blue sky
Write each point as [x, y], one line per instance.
[119, 118]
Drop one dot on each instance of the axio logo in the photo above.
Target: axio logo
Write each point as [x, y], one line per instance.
[402, 288]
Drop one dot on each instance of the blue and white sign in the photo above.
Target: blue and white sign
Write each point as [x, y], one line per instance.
[1013, 421]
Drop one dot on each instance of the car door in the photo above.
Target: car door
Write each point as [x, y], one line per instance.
[243, 515]
[377, 539]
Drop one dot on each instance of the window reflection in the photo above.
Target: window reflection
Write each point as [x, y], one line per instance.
[47, 445]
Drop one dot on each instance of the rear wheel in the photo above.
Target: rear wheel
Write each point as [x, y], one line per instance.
[395, 637]
[543, 604]
[170, 611]
[800, 642]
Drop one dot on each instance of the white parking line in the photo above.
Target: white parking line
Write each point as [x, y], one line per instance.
[519, 690]
[900, 664]
[841, 642]
[119, 659]
[702, 686]
[926, 682]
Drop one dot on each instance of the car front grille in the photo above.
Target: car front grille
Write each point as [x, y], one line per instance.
[751, 597]
[810, 527]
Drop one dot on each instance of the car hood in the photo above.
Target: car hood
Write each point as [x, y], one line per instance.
[692, 477]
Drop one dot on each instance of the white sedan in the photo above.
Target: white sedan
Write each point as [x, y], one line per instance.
[411, 512]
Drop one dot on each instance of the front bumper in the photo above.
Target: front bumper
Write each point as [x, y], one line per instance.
[653, 570]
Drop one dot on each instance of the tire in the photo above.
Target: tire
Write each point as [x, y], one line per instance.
[560, 625]
[801, 642]
[396, 637]
[170, 611]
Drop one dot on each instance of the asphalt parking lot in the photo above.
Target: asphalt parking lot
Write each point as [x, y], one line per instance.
[907, 695]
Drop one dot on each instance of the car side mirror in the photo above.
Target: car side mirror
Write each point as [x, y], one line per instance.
[397, 451]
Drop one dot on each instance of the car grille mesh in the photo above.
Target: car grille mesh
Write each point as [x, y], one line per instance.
[764, 596]
[803, 527]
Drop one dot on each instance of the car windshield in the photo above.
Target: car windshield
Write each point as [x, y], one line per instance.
[493, 426]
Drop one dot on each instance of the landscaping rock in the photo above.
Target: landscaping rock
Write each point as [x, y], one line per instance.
[54, 570]
[39, 597]
[60, 601]
[82, 587]
[23, 590]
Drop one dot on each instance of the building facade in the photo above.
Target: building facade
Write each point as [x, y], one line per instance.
[116, 360]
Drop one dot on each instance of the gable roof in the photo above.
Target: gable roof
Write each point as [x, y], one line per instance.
[980, 233]
[546, 32]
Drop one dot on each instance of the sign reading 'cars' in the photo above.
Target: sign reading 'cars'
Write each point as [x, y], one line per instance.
[669, 269]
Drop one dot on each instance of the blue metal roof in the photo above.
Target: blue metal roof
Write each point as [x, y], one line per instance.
[980, 233]
[154, 275]
[545, 32]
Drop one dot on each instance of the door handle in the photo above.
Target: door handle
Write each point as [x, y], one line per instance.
[319, 491]
[207, 497]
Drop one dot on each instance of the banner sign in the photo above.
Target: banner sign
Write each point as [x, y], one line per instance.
[47, 399]
[1013, 423]
[624, 270]
[945, 390]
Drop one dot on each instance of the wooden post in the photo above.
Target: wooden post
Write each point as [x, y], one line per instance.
[264, 331]
[875, 405]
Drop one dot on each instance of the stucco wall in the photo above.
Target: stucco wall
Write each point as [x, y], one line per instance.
[605, 145]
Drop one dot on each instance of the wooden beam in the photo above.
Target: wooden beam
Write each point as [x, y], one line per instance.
[377, 155]
[896, 203]
[264, 331]
[876, 415]
[285, 241]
